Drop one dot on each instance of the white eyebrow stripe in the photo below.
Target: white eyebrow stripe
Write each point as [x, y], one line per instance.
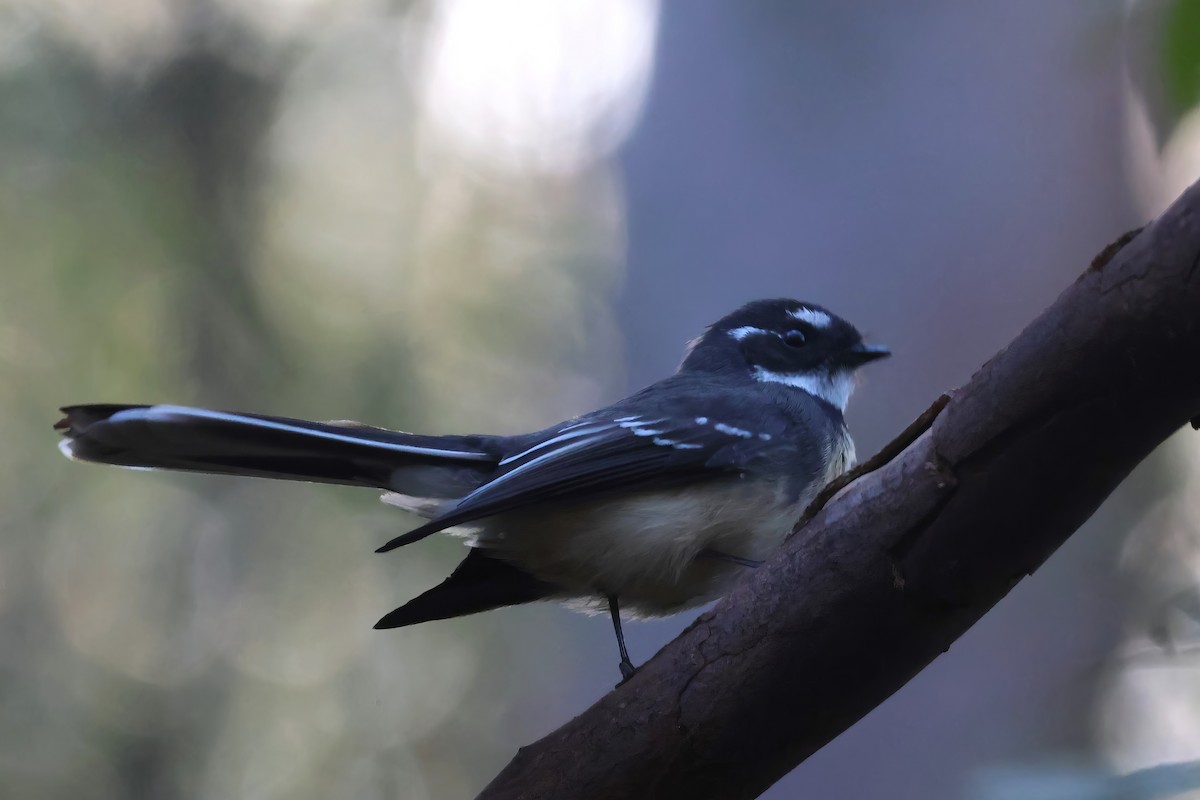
[749, 330]
[167, 414]
[562, 437]
[818, 319]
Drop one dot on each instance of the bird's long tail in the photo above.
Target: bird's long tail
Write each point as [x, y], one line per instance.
[201, 440]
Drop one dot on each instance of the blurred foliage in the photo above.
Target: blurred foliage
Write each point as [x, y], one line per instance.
[1163, 782]
[1181, 54]
[208, 203]
[1162, 47]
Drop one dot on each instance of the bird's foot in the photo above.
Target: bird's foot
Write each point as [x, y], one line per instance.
[628, 670]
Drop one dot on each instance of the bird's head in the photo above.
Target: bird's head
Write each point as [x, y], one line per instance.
[786, 342]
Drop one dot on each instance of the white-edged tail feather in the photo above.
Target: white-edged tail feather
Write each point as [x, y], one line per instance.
[203, 440]
[176, 414]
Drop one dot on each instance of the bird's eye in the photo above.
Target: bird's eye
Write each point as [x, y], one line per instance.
[795, 338]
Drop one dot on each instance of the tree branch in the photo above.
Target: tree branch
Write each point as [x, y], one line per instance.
[884, 577]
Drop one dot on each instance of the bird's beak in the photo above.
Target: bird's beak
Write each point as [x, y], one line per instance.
[863, 353]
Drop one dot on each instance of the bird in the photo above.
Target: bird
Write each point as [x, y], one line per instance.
[646, 507]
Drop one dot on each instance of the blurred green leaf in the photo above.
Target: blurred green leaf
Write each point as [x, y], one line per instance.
[1181, 54]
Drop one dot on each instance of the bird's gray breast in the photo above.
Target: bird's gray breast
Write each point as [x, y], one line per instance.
[646, 547]
[818, 449]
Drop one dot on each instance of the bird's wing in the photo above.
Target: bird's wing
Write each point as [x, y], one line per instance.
[606, 452]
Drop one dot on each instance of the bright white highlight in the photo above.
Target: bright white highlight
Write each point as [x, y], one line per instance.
[818, 319]
[537, 85]
[834, 389]
[701, 420]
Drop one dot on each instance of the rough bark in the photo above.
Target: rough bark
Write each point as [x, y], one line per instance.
[886, 574]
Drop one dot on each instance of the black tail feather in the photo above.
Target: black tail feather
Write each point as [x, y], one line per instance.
[479, 583]
[200, 440]
[415, 535]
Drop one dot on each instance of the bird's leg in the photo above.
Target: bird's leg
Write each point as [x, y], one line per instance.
[708, 552]
[627, 667]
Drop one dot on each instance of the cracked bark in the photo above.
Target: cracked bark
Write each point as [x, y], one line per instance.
[883, 576]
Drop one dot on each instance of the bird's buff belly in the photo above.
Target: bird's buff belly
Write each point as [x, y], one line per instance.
[647, 549]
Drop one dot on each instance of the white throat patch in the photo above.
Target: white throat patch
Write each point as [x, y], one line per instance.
[834, 389]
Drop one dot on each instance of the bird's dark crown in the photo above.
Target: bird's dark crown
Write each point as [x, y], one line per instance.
[779, 339]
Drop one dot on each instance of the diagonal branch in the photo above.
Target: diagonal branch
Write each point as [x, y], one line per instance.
[880, 580]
